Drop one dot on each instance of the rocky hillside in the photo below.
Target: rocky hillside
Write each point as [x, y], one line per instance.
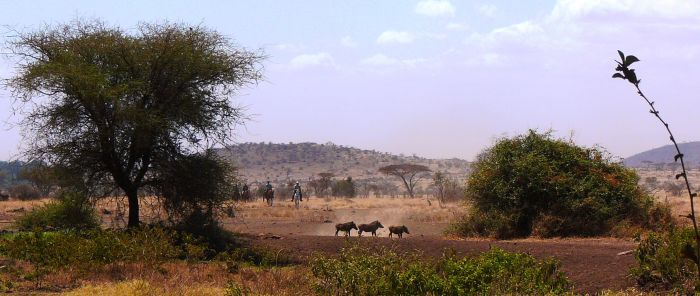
[303, 161]
[663, 156]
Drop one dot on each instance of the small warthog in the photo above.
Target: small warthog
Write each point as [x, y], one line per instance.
[346, 227]
[371, 227]
[400, 230]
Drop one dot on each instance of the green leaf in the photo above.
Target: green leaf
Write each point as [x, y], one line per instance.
[631, 59]
[622, 56]
[618, 75]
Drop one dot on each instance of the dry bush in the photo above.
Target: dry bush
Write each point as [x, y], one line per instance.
[24, 192]
[141, 288]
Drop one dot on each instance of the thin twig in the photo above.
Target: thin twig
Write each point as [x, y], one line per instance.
[629, 75]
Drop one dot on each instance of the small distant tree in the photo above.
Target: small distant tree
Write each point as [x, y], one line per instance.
[364, 188]
[24, 191]
[674, 188]
[344, 188]
[321, 185]
[42, 177]
[454, 190]
[409, 174]
[446, 188]
[440, 182]
[651, 183]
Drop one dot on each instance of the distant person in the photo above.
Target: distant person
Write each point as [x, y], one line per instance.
[297, 188]
[269, 194]
[245, 193]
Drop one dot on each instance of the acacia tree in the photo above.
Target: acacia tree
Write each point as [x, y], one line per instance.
[440, 182]
[118, 107]
[321, 185]
[409, 173]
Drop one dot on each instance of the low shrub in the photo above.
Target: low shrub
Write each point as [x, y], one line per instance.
[141, 288]
[235, 289]
[664, 261]
[85, 249]
[24, 191]
[359, 271]
[260, 257]
[70, 211]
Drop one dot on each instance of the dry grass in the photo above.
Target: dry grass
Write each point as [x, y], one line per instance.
[171, 278]
[255, 281]
[319, 210]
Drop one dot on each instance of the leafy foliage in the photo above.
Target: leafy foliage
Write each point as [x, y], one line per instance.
[344, 188]
[90, 248]
[70, 211]
[409, 174]
[360, 271]
[665, 261]
[194, 189]
[533, 184]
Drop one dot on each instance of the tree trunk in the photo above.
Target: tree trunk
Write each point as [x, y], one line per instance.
[132, 195]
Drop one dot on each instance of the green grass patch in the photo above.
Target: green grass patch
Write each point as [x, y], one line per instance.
[664, 262]
[359, 271]
[69, 211]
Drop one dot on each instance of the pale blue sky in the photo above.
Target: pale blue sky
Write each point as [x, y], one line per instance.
[435, 78]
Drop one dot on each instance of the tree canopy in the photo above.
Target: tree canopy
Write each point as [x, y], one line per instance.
[118, 106]
[409, 174]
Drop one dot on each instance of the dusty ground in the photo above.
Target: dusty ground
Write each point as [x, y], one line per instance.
[591, 264]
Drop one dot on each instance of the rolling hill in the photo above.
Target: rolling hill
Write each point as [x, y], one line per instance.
[658, 157]
[258, 162]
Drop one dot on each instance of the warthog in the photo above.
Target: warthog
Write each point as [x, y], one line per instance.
[346, 227]
[398, 230]
[371, 227]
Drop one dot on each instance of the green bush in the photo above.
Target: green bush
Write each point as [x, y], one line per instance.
[235, 289]
[359, 271]
[24, 191]
[534, 184]
[70, 211]
[664, 261]
[260, 257]
[85, 249]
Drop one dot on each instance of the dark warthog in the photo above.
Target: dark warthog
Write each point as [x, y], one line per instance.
[400, 230]
[346, 227]
[371, 227]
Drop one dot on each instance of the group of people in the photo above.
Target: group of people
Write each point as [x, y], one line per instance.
[297, 195]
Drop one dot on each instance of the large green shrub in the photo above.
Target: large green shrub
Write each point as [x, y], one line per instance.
[70, 211]
[359, 271]
[534, 184]
[665, 261]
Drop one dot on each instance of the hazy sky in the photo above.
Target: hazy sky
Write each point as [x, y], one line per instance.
[434, 78]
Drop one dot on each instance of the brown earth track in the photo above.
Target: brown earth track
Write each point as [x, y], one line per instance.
[591, 264]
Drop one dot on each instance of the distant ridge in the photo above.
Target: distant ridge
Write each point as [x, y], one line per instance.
[664, 155]
[302, 161]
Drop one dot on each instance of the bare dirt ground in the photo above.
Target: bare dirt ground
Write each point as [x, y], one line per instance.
[591, 264]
